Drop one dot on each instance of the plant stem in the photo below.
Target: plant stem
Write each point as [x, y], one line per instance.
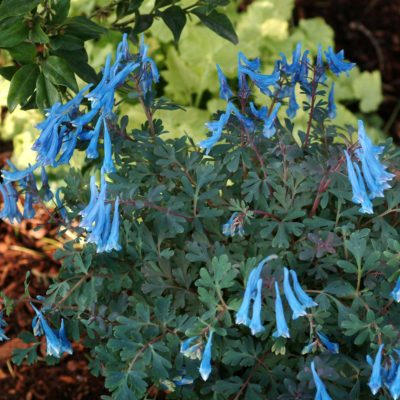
[314, 85]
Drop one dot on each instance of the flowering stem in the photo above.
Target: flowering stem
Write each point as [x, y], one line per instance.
[267, 214]
[147, 111]
[314, 85]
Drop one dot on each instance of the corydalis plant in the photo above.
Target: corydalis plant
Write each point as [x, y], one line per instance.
[190, 304]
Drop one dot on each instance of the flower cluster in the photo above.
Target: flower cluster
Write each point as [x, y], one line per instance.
[372, 175]
[280, 86]
[234, 226]
[57, 342]
[66, 125]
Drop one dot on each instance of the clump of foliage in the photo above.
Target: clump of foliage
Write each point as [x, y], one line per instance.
[245, 270]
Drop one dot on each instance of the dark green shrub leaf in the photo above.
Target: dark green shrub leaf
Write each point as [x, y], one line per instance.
[58, 71]
[175, 18]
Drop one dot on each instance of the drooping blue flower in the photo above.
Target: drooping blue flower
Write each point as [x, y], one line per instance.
[242, 316]
[93, 197]
[3, 324]
[255, 323]
[192, 351]
[301, 74]
[292, 68]
[322, 393]
[148, 69]
[234, 226]
[331, 102]
[310, 347]
[60, 205]
[112, 240]
[319, 64]
[10, 209]
[302, 296]
[394, 387]
[330, 346]
[293, 106]
[297, 308]
[216, 128]
[205, 365]
[396, 291]
[57, 342]
[336, 62]
[360, 195]
[183, 380]
[108, 164]
[47, 193]
[375, 381]
[267, 117]
[17, 175]
[91, 151]
[262, 81]
[225, 91]
[282, 329]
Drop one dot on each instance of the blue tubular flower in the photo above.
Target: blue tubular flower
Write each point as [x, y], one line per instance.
[360, 195]
[183, 380]
[303, 297]
[375, 381]
[29, 212]
[108, 164]
[54, 346]
[292, 69]
[268, 118]
[282, 329]
[205, 365]
[262, 81]
[331, 102]
[65, 343]
[10, 210]
[320, 66]
[234, 226]
[48, 194]
[242, 316]
[105, 231]
[60, 206]
[191, 351]
[225, 91]
[112, 241]
[394, 387]
[256, 324]
[17, 175]
[321, 394]
[309, 348]
[243, 61]
[330, 346]
[293, 106]
[216, 127]
[91, 151]
[148, 69]
[297, 308]
[301, 74]
[3, 324]
[396, 291]
[336, 62]
[93, 197]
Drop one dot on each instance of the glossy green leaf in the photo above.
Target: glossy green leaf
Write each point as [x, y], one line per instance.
[12, 32]
[175, 18]
[13, 8]
[22, 85]
[46, 92]
[57, 70]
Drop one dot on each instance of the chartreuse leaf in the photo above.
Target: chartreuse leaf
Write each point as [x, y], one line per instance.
[368, 89]
[217, 22]
[57, 70]
[13, 8]
[22, 85]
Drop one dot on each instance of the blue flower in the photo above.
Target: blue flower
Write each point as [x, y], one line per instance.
[360, 195]
[256, 324]
[91, 151]
[17, 175]
[225, 91]
[60, 206]
[242, 316]
[108, 164]
[262, 81]
[216, 128]
[10, 210]
[330, 346]
[331, 102]
[293, 106]
[301, 74]
[3, 324]
[292, 68]
[321, 394]
[336, 62]
[268, 118]
[112, 241]
[396, 291]
[205, 365]
[192, 351]
[148, 69]
[375, 381]
[57, 343]
[297, 308]
[321, 75]
[183, 380]
[303, 297]
[234, 226]
[47, 193]
[282, 329]
[310, 348]
[394, 387]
